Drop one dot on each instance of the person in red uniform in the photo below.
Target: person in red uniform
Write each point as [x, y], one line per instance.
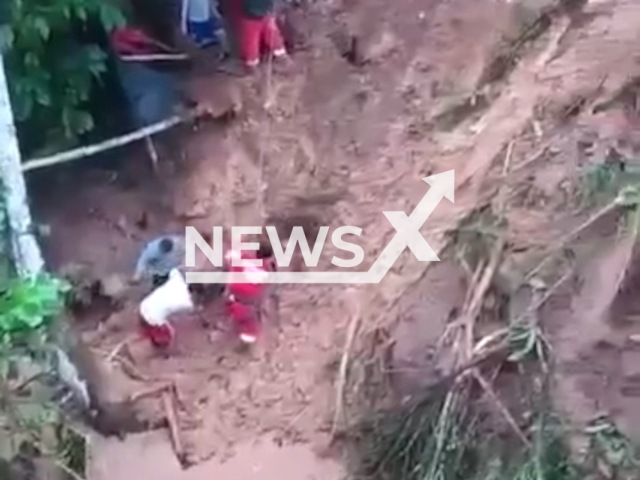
[244, 299]
[256, 30]
[157, 308]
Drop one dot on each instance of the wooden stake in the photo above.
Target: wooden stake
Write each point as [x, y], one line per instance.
[344, 366]
[501, 407]
[153, 153]
[134, 397]
[154, 57]
[174, 429]
[132, 371]
[116, 350]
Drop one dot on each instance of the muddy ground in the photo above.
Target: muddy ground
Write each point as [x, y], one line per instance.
[516, 101]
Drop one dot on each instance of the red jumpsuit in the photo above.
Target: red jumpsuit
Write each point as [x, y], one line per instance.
[244, 300]
[255, 34]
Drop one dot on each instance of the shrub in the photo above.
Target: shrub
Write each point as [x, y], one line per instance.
[53, 65]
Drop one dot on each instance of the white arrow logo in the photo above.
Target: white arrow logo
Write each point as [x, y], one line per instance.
[408, 228]
[407, 235]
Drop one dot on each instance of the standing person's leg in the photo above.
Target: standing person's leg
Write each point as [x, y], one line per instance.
[274, 42]
[231, 12]
[272, 37]
[231, 46]
[250, 36]
[240, 35]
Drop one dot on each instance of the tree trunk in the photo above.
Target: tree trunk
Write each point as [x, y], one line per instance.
[24, 247]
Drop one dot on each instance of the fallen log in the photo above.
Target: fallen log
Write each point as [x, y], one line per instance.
[174, 428]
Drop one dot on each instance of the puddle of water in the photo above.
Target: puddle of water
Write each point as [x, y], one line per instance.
[149, 455]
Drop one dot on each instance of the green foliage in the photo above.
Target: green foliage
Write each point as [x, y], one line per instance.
[433, 439]
[72, 449]
[526, 341]
[51, 68]
[474, 238]
[612, 451]
[29, 304]
[425, 439]
[28, 307]
[549, 456]
[602, 182]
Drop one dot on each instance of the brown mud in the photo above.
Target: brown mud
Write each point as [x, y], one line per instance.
[336, 142]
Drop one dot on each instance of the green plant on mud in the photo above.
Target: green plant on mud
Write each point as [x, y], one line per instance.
[474, 237]
[602, 182]
[28, 419]
[525, 341]
[53, 63]
[549, 457]
[460, 429]
[415, 442]
[429, 440]
[626, 200]
[27, 305]
[611, 452]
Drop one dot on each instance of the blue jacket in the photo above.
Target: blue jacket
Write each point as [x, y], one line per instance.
[152, 261]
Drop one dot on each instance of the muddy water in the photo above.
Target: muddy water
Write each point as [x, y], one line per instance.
[149, 456]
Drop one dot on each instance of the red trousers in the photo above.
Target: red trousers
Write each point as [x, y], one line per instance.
[259, 33]
[160, 335]
[246, 317]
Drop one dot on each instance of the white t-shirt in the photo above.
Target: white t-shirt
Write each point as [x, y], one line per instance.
[169, 298]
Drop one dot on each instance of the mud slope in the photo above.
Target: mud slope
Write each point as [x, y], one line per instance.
[336, 143]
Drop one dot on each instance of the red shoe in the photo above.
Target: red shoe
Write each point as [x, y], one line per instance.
[249, 331]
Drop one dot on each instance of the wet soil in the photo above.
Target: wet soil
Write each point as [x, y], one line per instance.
[336, 142]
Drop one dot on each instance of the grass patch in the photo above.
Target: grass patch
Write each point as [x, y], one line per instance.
[444, 437]
[602, 182]
[611, 453]
[416, 440]
[439, 436]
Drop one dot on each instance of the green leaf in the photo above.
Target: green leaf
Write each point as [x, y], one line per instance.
[77, 121]
[31, 60]
[32, 315]
[96, 60]
[629, 196]
[42, 27]
[22, 106]
[81, 13]
[43, 97]
[49, 81]
[110, 17]
[83, 122]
